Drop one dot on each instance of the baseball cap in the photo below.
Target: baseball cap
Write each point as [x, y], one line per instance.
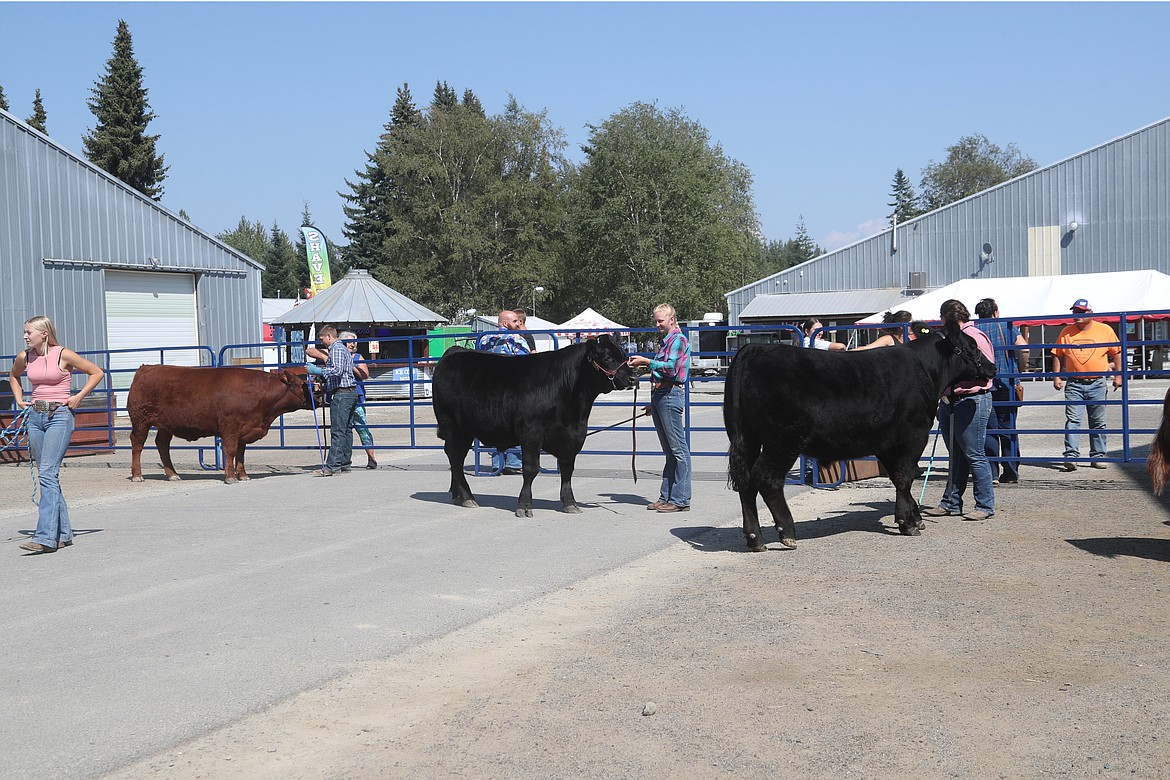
[1081, 304]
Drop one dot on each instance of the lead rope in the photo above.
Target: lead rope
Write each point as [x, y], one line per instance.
[10, 439]
[316, 427]
[634, 433]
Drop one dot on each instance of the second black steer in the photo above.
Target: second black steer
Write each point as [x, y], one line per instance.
[781, 402]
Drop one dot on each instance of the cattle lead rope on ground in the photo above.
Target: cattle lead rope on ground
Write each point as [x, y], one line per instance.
[316, 427]
[10, 438]
[633, 432]
[929, 466]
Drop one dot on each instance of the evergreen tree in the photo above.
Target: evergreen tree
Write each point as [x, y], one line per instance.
[286, 270]
[444, 96]
[972, 165]
[119, 143]
[38, 117]
[803, 247]
[778, 255]
[472, 104]
[905, 199]
[367, 207]
[3, 100]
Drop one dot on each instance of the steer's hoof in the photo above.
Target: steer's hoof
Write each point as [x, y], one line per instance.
[137, 479]
[572, 509]
[788, 543]
[174, 478]
[244, 478]
[469, 503]
[230, 481]
[910, 530]
[757, 548]
[522, 512]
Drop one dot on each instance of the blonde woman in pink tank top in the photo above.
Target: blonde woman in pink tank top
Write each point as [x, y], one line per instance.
[49, 368]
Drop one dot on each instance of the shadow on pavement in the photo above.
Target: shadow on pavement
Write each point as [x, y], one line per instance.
[1132, 546]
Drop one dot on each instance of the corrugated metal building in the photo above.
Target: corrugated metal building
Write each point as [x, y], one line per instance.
[1106, 209]
[112, 268]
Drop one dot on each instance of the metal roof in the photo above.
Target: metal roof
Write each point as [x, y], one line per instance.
[792, 306]
[360, 298]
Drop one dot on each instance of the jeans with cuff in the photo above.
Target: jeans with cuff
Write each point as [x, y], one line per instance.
[666, 408]
[963, 423]
[1074, 413]
[341, 411]
[48, 439]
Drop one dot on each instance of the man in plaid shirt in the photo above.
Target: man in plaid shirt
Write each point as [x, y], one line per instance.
[340, 382]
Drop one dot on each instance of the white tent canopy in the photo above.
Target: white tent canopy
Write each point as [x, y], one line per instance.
[590, 320]
[1033, 300]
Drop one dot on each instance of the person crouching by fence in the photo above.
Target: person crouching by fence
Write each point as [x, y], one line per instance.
[49, 367]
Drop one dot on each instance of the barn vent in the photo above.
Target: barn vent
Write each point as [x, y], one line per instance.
[917, 280]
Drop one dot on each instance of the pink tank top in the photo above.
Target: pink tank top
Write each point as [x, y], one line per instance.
[49, 382]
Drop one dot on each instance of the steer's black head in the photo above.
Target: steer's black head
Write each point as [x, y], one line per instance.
[976, 364]
[606, 356]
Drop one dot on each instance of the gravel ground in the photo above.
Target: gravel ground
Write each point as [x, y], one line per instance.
[1032, 644]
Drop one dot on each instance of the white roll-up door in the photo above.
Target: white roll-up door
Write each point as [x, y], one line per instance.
[151, 314]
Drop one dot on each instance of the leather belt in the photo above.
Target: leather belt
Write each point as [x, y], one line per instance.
[46, 407]
[955, 398]
[1084, 380]
[666, 385]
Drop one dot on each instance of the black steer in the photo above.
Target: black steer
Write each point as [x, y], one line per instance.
[539, 401]
[782, 401]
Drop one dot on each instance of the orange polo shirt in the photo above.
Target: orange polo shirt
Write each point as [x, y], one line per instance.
[1088, 359]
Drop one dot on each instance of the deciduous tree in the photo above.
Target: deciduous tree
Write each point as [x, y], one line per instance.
[972, 165]
[660, 213]
[457, 209]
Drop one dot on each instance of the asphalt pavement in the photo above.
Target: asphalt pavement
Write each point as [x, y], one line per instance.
[186, 605]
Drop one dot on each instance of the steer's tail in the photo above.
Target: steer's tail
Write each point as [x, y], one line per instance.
[1156, 463]
[745, 446]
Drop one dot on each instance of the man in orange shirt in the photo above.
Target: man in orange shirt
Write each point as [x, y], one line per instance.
[1086, 362]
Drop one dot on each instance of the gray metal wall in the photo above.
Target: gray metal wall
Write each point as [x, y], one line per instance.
[1117, 193]
[63, 220]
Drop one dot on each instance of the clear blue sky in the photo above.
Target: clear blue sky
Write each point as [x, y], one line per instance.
[262, 106]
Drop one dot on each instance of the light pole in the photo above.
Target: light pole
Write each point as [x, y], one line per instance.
[535, 290]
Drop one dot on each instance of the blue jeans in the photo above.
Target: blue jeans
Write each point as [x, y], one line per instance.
[964, 427]
[1005, 445]
[508, 459]
[1074, 413]
[666, 408]
[341, 411]
[48, 438]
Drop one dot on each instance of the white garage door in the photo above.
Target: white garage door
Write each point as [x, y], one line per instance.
[149, 313]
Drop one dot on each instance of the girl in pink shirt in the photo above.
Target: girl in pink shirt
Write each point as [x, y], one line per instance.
[49, 367]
